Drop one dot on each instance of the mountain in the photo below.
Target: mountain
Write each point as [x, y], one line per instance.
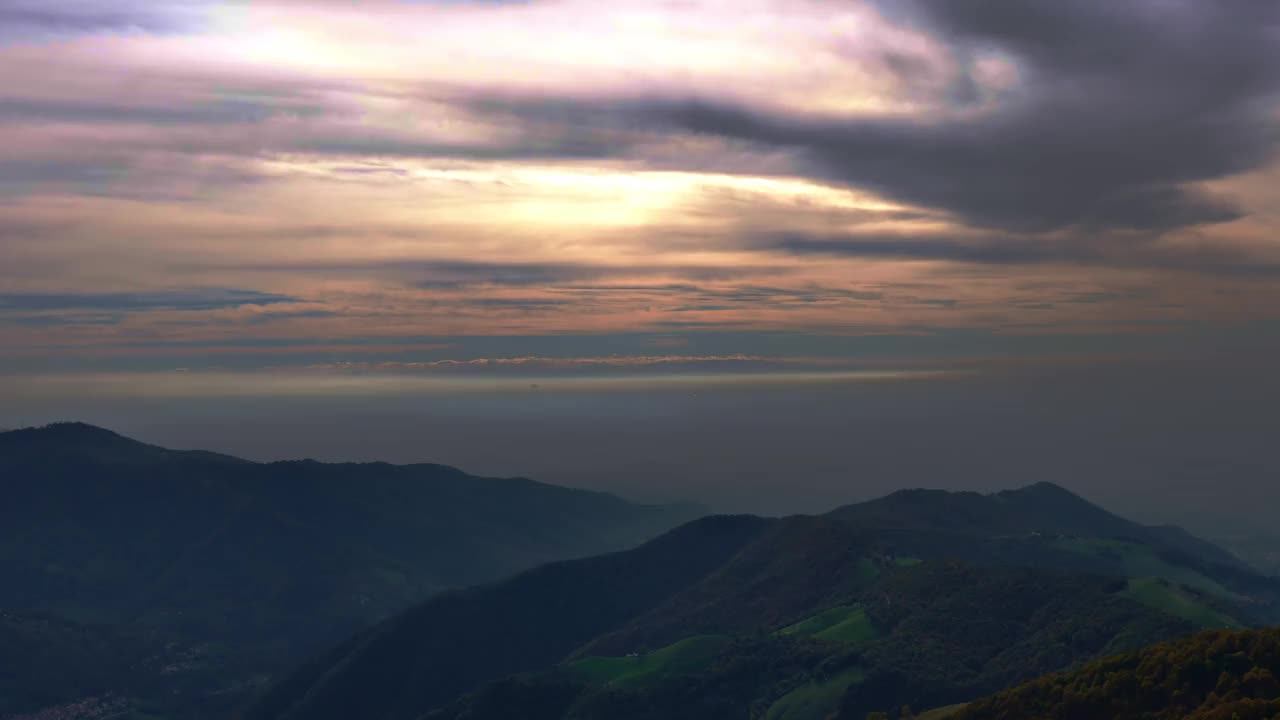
[47, 660]
[261, 565]
[1000, 527]
[923, 598]
[458, 640]
[1218, 675]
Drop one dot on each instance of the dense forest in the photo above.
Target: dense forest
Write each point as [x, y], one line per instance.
[458, 640]
[185, 580]
[926, 635]
[1217, 675]
[921, 598]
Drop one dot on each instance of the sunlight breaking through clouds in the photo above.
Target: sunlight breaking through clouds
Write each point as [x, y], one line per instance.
[561, 167]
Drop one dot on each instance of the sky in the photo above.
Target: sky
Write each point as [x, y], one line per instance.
[385, 185]
[218, 218]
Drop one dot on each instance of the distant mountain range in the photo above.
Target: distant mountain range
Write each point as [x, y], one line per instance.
[192, 576]
[144, 583]
[922, 599]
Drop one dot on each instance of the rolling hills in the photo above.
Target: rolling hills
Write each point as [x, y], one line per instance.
[921, 598]
[460, 639]
[255, 566]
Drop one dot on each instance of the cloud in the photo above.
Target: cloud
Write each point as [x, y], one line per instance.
[548, 366]
[463, 274]
[212, 299]
[271, 317]
[1119, 112]
[564, 144]
[731, 297]
[1116, 117]
[27, 19]
[228, 110]
[1102, 251]
[55, 321]
[458, 274]
[701, 166]
[535, 361]
[522, 303]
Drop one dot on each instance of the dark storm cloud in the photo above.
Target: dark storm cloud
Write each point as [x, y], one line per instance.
[916, 248]
[1125, 251]
[1120, 107]
[213, 299]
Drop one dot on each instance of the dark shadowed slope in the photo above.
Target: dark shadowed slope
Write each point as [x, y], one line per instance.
[270, 562]
[924, 635]
[1216, 675]
[44, 660]
[458, 640]
[920, 598]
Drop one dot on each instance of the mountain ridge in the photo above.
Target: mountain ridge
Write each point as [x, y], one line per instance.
[87, 436]
[921, 597]
[665, 562]
[273, 560]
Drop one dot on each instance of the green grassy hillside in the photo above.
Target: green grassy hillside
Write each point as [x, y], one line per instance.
[816, 699]
[846, 624]
[688, 656]
[927, 635]
[922, 599]
[1181, 602]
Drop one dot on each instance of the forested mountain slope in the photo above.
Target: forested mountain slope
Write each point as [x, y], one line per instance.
[1218, 675]
[921, 598]
[254, 566]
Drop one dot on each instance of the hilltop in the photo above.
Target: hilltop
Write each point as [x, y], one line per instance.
[254, 566]
[921, 598]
